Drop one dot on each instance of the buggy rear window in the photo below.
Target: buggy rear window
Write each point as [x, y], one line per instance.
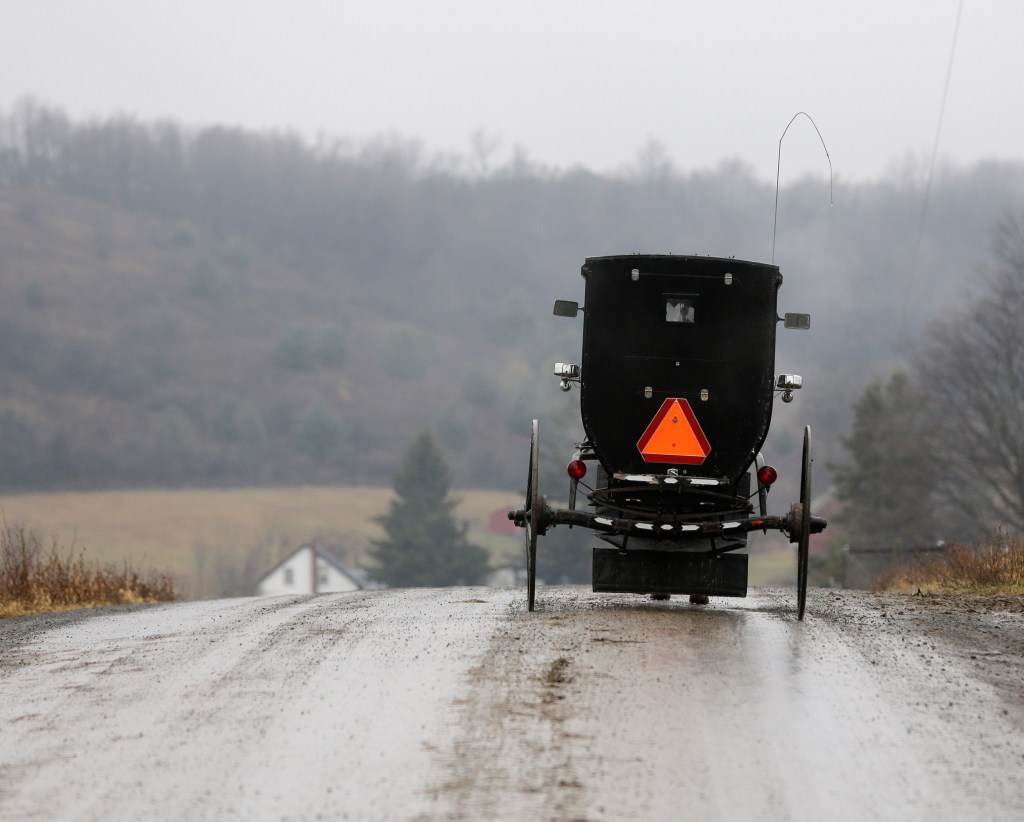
[679, 309]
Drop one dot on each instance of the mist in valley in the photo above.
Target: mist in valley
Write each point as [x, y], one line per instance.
[224, 307]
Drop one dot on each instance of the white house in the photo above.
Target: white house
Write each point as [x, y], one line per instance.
[308, 570]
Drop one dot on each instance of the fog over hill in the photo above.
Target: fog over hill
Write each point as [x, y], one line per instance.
[225, 307]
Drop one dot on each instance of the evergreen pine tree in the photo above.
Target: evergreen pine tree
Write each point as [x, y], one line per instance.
[423, 545]
[888, 484]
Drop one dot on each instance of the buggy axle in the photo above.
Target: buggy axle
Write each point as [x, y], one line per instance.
[664, 528]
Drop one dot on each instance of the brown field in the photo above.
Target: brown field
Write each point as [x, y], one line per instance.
[190, 533]
[218, 542]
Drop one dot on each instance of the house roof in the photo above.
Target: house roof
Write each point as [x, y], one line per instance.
[358, 579]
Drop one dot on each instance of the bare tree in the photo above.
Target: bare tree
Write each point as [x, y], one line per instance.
[653, 162]
[971, 367]
[484, 145]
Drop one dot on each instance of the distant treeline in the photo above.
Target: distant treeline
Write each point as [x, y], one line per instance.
[263, 306]
[387, 206]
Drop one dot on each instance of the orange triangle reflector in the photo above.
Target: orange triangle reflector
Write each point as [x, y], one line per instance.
[674, 435]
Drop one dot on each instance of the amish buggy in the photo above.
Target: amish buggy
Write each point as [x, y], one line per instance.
[676, 382]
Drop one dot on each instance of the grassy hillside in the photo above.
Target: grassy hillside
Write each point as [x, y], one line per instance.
[228, 308]
[146, 352]
[220, 308]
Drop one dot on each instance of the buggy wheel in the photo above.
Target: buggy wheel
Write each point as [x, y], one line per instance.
[533, 506]
[803, 525]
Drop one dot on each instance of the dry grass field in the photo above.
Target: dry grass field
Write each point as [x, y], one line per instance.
[206, 537]
[218, 542]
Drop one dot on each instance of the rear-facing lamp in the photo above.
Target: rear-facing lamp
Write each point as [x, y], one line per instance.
[766, 475]
[577, 469]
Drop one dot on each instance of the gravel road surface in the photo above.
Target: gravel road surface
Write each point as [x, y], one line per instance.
[457, 704]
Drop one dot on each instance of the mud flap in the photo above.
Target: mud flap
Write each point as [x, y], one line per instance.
[669, 572]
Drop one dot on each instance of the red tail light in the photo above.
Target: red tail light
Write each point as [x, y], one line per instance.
[577, 469]
[766, 475]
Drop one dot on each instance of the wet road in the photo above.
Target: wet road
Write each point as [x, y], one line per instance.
[456, 704]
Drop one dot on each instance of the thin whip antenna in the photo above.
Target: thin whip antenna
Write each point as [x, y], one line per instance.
[778, 168]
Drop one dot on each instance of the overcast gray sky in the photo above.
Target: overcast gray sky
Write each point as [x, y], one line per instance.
[572, 82]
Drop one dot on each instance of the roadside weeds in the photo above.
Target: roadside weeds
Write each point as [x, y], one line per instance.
[992, 567]
[35, 580]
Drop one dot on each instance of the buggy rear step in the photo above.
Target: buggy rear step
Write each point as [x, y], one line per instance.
[669, 572]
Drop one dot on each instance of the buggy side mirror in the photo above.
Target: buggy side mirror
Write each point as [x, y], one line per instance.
[566, 308]
[798, 321]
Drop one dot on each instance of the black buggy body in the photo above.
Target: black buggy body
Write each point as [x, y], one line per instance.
[661, 328]
[677, 381]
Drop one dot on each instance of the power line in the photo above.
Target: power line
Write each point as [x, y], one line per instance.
[928, 183]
